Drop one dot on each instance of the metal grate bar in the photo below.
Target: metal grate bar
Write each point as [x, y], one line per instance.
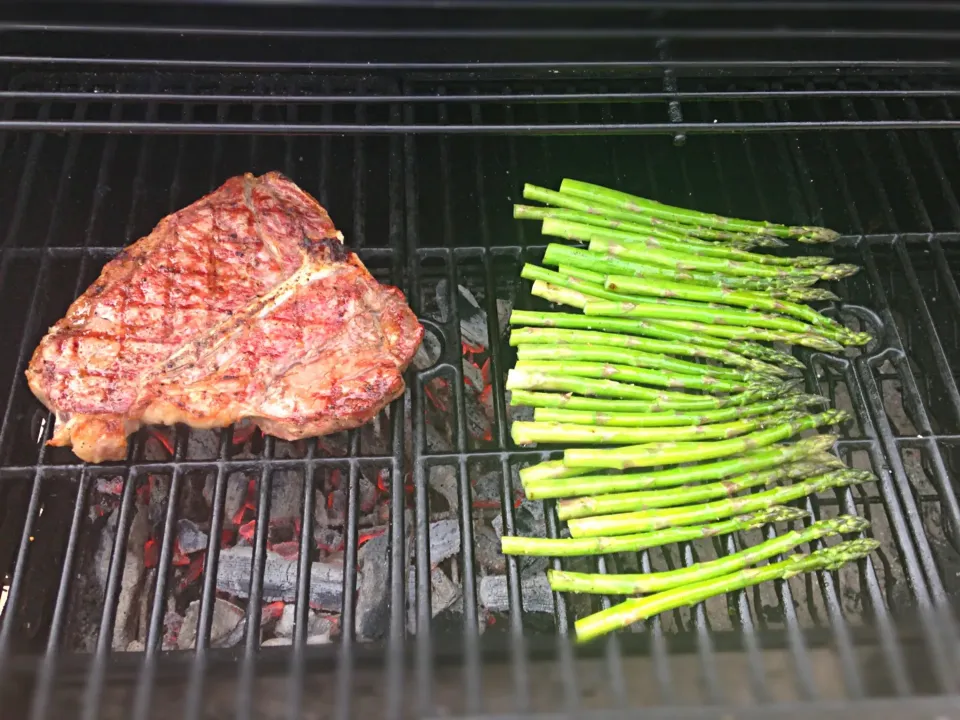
[580, 69]
[551, 129]
[498, 33]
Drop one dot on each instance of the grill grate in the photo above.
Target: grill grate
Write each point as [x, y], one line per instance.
[420, 152]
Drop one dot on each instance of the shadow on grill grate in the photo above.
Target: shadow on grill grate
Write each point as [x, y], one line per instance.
[228, 543]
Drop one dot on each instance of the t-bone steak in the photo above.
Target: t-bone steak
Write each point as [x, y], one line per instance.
[243, 306]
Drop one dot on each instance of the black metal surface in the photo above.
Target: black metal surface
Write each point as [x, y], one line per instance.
[426, 140]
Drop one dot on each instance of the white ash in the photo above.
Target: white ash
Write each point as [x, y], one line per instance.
[534, 591]
[190, 538]
[128, 604]
[366, 495]
[473, 320]
[487, 549]
[286, 492]
[428, 353]
[172, 624]
[444, 540]
[226, 619]
[203, 444]
[317, 624]
[279, 578]
[472, 376]
[443, 481]
[373, 589]
[444, 592]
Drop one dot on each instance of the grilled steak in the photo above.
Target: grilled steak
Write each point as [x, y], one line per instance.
[243, 306]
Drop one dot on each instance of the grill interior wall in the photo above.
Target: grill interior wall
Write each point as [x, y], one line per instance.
[430, 212]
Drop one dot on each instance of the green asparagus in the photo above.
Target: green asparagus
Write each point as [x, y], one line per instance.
[674, 418]
[663, 454]
[603, 214]
[731, 332]
[557, 254]
[689, 495]
[605, 241]
[652, 329]
[524, 379]
[632, 203]
[542, 484]
[647, 407]
[650, 520]
[548, 471]
[636, 358]
[528, 433]
[631, 611]
[665, 310]
[582, 226]
[645, 376]
[636, 584]
[746, 299]
[551, 338]
[573, 547]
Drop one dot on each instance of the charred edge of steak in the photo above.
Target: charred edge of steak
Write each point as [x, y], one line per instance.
[328, 248]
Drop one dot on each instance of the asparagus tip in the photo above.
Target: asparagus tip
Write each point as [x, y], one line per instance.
[832, 558]
[774, 514]
[844, 524]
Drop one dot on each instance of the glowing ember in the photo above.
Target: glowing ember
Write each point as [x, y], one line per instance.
[288, 550]
[193, 572]
[151, 553]
[271, 612]
[248, 530]
[365, 537]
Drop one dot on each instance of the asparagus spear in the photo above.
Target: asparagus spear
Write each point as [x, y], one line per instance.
[534, 272]
[674, 418]
[557, 337]
[559, 295]
[603, 214]
[549, 470]
[793, 293]
[689, 495]
[631, 611]
[557, 254]
[528, 433]
[637, 584]
[601, 241]
[524, 379]
[666, 310]
[749, 300]
[544, 486]
[671, 315]
[558, 283]
[632, 203]
[576, 403]
[816, 342]
[656, 238]
[645, 376]
[634, 358]
[804, 294]
[650, 520]
[574, 547]
[650, 230]
[651, 329]
[664, 454]
[668, 294]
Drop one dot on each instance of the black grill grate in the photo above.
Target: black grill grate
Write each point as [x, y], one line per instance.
[418, 149]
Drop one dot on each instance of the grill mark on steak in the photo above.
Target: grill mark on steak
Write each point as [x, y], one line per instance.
[244, 305]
